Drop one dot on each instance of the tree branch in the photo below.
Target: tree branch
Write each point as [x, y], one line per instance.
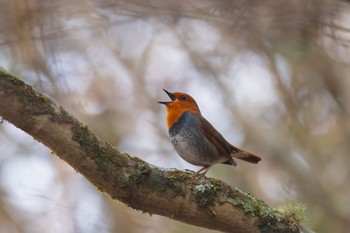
[199, 201]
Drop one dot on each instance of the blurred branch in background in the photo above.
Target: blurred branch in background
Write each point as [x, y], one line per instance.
[271, 75]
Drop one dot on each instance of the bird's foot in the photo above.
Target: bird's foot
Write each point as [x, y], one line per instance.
[189, 171]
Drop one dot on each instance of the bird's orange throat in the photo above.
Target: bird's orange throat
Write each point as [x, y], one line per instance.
[175, 112]
[173, 116]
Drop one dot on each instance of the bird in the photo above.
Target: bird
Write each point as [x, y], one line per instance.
[195, 139]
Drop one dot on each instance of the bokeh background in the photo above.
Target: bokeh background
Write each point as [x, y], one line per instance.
[272, 76]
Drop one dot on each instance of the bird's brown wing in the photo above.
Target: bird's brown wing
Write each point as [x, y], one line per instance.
[216, 139]
[223, 146]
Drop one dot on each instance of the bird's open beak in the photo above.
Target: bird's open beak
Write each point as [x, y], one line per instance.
[171, 95]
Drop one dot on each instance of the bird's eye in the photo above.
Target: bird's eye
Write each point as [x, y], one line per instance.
[183, 97]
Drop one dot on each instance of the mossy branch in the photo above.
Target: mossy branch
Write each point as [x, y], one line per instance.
[199, 201]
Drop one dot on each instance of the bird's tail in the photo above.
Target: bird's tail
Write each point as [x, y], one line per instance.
[243, 155]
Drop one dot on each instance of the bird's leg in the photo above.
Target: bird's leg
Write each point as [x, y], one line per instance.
[204, 170]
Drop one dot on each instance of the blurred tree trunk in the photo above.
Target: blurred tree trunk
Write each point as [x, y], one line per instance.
[200, 201]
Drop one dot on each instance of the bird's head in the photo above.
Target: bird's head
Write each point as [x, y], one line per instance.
[180, 103]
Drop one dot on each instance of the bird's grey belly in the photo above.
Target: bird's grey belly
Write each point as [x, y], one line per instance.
[193, 147]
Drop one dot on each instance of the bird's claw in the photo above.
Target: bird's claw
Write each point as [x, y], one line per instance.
[190, 171]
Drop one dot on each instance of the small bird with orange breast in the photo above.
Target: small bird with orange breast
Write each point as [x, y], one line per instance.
[195, 139]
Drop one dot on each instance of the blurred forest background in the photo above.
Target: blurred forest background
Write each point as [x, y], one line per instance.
[272, 76]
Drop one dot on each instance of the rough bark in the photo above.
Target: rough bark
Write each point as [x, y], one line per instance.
[199, 201]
